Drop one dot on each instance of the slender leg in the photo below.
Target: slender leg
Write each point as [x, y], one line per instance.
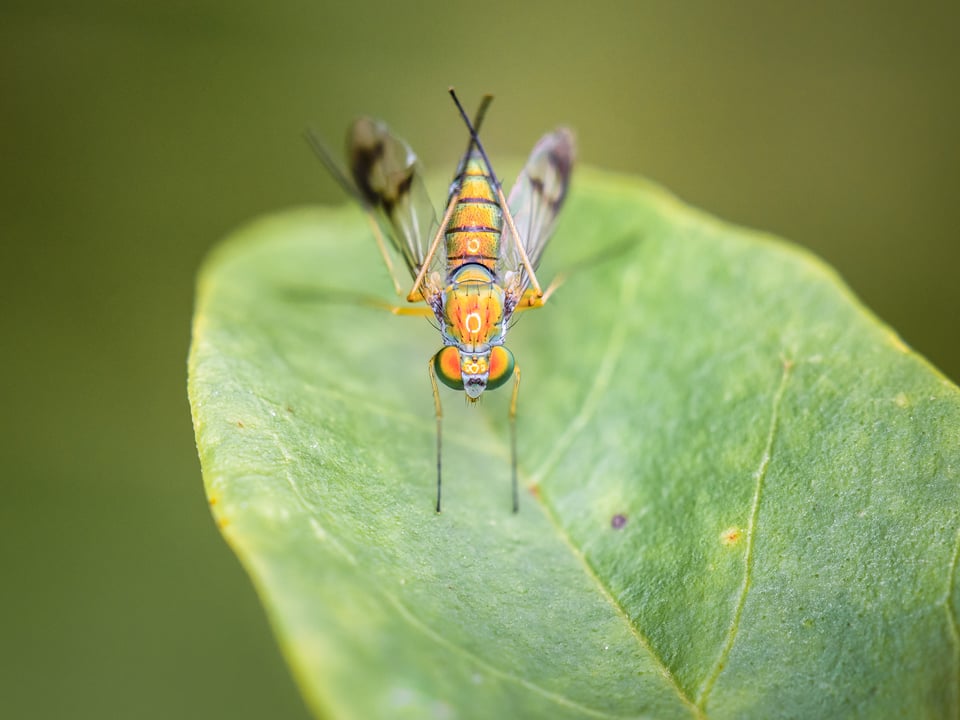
[416, 311]
[372, 301]
[531, 298]
[439, 411]
[378, 236]
[530, 301]
[516, 236]
[415, 294]
[513, 436]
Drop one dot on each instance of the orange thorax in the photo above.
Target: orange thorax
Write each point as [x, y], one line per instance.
[473, 309]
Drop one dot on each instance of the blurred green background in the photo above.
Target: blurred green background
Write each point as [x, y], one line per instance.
[133, 136]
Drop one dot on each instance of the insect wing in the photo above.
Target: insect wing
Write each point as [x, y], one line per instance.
[535, 202]
[389, 179]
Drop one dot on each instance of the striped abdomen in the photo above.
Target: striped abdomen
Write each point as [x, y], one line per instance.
[473, 233]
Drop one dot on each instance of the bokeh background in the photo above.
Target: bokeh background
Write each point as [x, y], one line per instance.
[133, 136]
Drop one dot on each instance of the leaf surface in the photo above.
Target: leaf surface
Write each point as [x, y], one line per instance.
[744, 489]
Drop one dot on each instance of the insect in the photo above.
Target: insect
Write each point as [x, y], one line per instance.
[476, 267]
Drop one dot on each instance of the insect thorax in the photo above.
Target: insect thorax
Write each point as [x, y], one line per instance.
[473, 310]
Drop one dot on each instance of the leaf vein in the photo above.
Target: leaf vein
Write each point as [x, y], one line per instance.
[416, 623]
[309, 507]
[759, 476]
[558, 698]
[641, 639]
[952, 622]
[601, 382]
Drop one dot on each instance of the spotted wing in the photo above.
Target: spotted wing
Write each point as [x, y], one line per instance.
[389, 181]
[535, 202]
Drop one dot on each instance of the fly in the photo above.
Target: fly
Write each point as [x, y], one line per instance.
[475, 267]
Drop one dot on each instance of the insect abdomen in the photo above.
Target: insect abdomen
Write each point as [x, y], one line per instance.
[473, 233]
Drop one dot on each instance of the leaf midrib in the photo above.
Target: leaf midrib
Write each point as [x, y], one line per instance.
[601, 382]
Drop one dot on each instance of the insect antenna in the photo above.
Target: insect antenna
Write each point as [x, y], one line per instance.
[508, 216]
[474, 138]
[477, 122]
[424, 264]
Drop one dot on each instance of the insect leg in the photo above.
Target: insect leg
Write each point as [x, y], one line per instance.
[513, 436]
[415, 293]
[375, 302]
[347, 297]
[378, 236]
[439, 411]
[530, 301]
[516, 236]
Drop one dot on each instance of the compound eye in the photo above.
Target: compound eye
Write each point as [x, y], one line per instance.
[446, 364]
[501, 366]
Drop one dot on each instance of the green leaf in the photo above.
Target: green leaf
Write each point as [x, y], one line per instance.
[784, 469]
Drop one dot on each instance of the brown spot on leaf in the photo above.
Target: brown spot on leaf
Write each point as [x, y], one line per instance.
[731, 536]
[618, 521]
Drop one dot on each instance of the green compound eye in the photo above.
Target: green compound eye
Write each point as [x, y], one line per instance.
[501, 366]
[446, 364]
